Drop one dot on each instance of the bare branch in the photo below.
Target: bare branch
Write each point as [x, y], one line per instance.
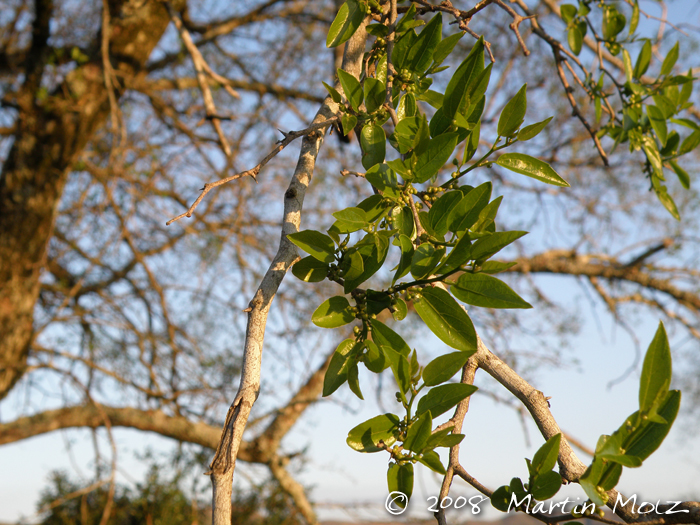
[223, 464]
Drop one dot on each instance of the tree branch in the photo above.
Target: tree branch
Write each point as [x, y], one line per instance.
[223, 464]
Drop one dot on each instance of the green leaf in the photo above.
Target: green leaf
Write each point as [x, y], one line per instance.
[425, 259]
[445, 47]
[419, 432]
[611, 476]
[442, 368]
[658, 122]
[350, 220]
[431, 459]
[513, 113]
[446, 319]
[443, 438]
[672, 142]
[337, 372]
[545, 485]
[346, 22]
[634, 21]
[400, 310]
[373, 207]
[667, 201]
[333, 312]
[491, 267]
[373, 142]
[575, 39]
[689, 143]
[381, 70]
[353, 379]
[532, 167]
[686, 90]
[670, 61]
[667, 107]
[643, 60]
[377, 302]
[407, 20]
[479, 289]
[437, 152]
[683, 121]
[457, 257]
[406, 257]
[385, 336]
[627, 63]
[501, 498]
[432, 97]
[651, 150]
[366, 436]
[531, 131]
[420, 55]
[400, 479]
[406, 107]
[349, 122]
[352, 265]
[403, 221]
[681, 173]
[375, 360]
[465, 214]
[441, 398]
[475, 91]
[403, 46]
[545, 459]
[472, 143]
[487, 246]
[656, 371]
[352, 89]
[315, 244]
[568, 12]
[400, 367]
[625, 460]
[310, 270]
[613, 22]
[590, 480]
[440, 211]
[456, 92]
[384, 179]
[373, 248]
[378, 30]
[648, 438]
[487, 216]
[375, 94]
[333, 93]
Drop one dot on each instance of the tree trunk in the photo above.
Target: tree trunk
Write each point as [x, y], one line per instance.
[51, 133]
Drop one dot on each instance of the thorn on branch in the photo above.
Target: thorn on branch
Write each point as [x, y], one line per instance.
[345, 173]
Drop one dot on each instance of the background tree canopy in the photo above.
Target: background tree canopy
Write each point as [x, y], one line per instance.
[121, 116]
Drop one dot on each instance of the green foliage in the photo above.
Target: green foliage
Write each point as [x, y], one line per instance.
[346, 22]
[543, 482]
[642, 432]
[443, 242]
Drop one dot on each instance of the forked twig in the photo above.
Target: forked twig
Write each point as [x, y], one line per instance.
[289, 137]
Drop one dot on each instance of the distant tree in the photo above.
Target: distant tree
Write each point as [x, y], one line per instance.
[155, 501]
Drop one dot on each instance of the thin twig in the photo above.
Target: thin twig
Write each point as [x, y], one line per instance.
[390, 71]
[200, 66]
[253, 172]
